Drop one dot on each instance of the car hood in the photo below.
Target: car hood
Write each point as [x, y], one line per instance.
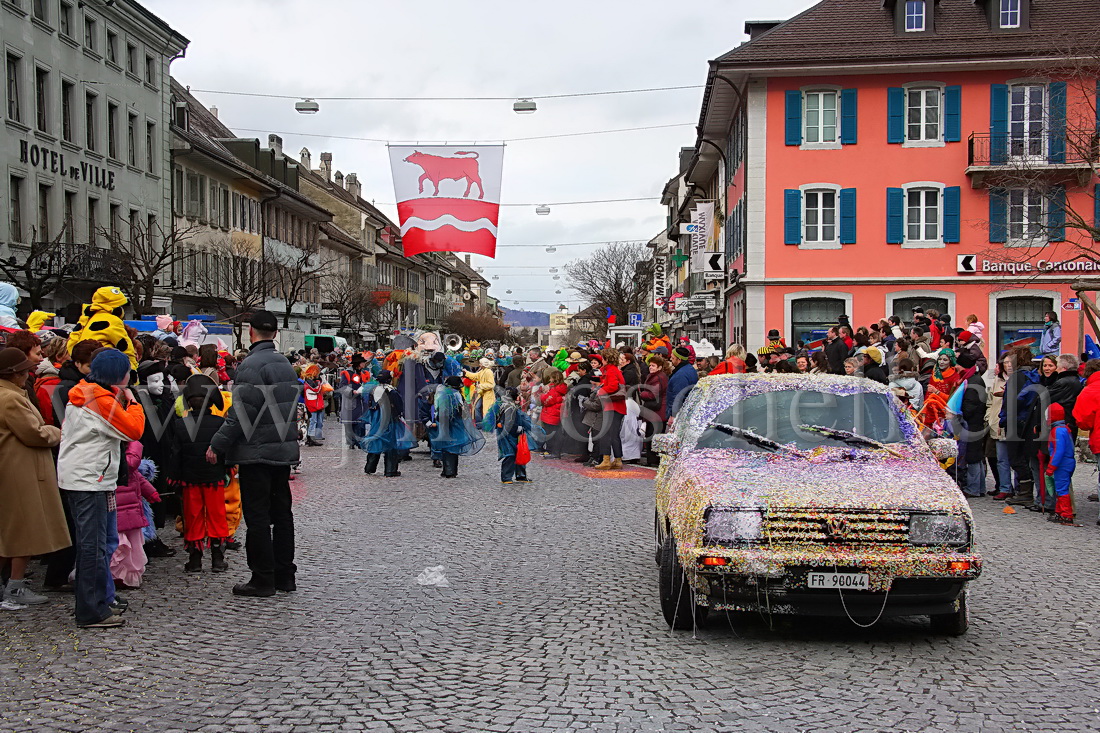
[835, 478]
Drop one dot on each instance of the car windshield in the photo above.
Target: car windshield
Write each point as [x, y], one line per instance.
[803, 419]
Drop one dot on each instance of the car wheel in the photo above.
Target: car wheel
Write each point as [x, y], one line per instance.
[677, 597]
[954, 624]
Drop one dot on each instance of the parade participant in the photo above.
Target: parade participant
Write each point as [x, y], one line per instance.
[157, 401]
[128, 560]
[163, 329]
[734, 363]
[552, 400]
[101, 320]
[681, 380]
[509, 423]
[352, 388]
[775, 340]
[1062, 464]
[388, 434]
[612, 395]
[32, 520]
[1086, 410]
[483, 388]
[313, 396]
[102, 414]
[1021, 394]
[36, 321]
[266, 392]
[941, 385]
[971, 432]
[451, 431]
[656, 339]
[9, 301]
[422, 369]
[201, 484]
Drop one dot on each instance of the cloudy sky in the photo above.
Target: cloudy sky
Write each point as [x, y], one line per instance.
[489, 48]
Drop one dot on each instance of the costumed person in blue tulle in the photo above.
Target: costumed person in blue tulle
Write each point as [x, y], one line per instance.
[387, 434]
[508, 422]
[354, 385]
[451, 430]
[423, 369]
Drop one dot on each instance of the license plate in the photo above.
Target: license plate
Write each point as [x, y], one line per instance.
[844, 581]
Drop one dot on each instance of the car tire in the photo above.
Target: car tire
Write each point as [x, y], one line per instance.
[677, 597]
[953, 624]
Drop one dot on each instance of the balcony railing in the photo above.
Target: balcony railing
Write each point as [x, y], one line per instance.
[1050, 150]
[71, 260]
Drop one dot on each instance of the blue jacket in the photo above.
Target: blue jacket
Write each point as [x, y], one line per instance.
[1019, 398]
[683, 378]
[1061, 447]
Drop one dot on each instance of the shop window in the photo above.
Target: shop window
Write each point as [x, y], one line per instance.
[812, 317]
[903, 307]
[1021, 318]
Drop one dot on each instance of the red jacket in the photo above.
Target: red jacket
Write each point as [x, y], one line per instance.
[613, 382]
[732, 365]
[44, 389]
[552, 401]
[1087, 409]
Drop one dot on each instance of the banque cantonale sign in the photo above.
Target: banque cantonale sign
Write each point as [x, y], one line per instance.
[1015, 268]
[51, 161]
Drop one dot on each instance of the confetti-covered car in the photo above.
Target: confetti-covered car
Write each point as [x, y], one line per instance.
[808, 494]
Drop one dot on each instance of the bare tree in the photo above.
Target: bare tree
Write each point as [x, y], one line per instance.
[41, 266]
[354, 304]
[609, 278]
[479, 326]
[143, 259]
[233, 281]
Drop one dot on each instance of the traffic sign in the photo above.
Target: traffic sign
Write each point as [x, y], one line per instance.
[713, 269]
[1073, 304]
[967, 263]
[634, 319]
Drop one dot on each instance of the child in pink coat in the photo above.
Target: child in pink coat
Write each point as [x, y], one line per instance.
[128, 561]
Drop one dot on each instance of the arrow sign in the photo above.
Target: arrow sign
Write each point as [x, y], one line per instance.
[713, 267]
[967, 263]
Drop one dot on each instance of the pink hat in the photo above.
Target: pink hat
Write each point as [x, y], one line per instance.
[164, 322]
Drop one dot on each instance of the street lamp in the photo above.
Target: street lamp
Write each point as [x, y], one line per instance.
[307, 107]
[551, 249]
[542, 210]
[496, 277]
[524, 106]
[557, 277]
[507, 292]
[553, 270]
[557, 292]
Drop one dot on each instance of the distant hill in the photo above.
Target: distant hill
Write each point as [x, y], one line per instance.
[526, 319]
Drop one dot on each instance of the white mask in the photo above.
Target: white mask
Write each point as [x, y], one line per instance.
[155, 383]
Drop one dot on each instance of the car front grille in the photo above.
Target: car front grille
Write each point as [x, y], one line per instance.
[835, 527]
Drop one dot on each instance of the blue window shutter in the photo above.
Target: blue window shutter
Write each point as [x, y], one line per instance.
[849, 116]
[1096, 212]
[895, 216]
[895, 115]
[1056, 214]
[952, 114]
[951, 214]
[1096, 104]
[998, 215]
[998, 124]
[794, 117]
[792, 216]
[1057, 116]
[847, 216]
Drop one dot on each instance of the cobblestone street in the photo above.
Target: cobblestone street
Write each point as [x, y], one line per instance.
[551, 622]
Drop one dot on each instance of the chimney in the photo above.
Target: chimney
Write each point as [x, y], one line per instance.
[339, 178]
[214, 111]
[304, 155]
[275, 143]
[352, 184]
[468, 260]
[326, 166]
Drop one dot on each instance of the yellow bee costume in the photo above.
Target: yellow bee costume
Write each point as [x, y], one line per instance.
[37, 319]
[101, 320]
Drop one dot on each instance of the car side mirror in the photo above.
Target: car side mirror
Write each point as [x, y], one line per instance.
[666, 444]
[944, 450]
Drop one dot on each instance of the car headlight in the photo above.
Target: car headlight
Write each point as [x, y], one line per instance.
[938, 529]
[733, 526]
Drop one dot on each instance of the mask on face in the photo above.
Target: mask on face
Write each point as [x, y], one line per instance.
[155, 384]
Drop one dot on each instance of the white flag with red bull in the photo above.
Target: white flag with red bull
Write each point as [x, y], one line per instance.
[448, 197]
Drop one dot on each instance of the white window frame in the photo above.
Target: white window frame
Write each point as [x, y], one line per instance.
[833, 144]
[789, 298]
[818, 188]
[895, 295]
[922, 86]
[923, 16]
[908, 243]
[1040, 239]
[1002, 11]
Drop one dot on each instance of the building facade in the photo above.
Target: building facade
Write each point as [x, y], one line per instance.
[869, 157]
[87, 104]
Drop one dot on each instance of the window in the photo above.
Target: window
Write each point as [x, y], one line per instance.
[1027, 120]
[194, 194]
[65, 19]
[90, 34]
[1026, 220]
[922, 215]
[38, 7]
[224, 209]
[1021, 317]
[151, 149]
[41, 99]
[112, 130]
[811, 317]
[820, 117]
[116, 215]
[214, 218]
[922, 115]
[236, 210]
[131, 139]
[89, 121]
[112, 47]
[177, 191]
[135, 226]
[43, 232]
[66, 111]
[15, 209]
[820, 216]
[131, 59]
[151, 227]
[150, 69]
[70, 218]
[903, 307]
[914, 15]
[1010, 13]
[93, 219]
[12, 66]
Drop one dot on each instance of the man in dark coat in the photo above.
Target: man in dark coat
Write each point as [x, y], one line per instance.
[1065, 388]
[836, 351]
[260, 436]
[971, 430]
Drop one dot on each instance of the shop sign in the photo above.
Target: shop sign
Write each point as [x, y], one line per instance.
[52, 161]
[973, 264]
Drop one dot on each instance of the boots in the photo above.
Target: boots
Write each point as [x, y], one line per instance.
[217, 558]
[604, 465]
[617, 463]
[194, 561]
[1023, 495]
